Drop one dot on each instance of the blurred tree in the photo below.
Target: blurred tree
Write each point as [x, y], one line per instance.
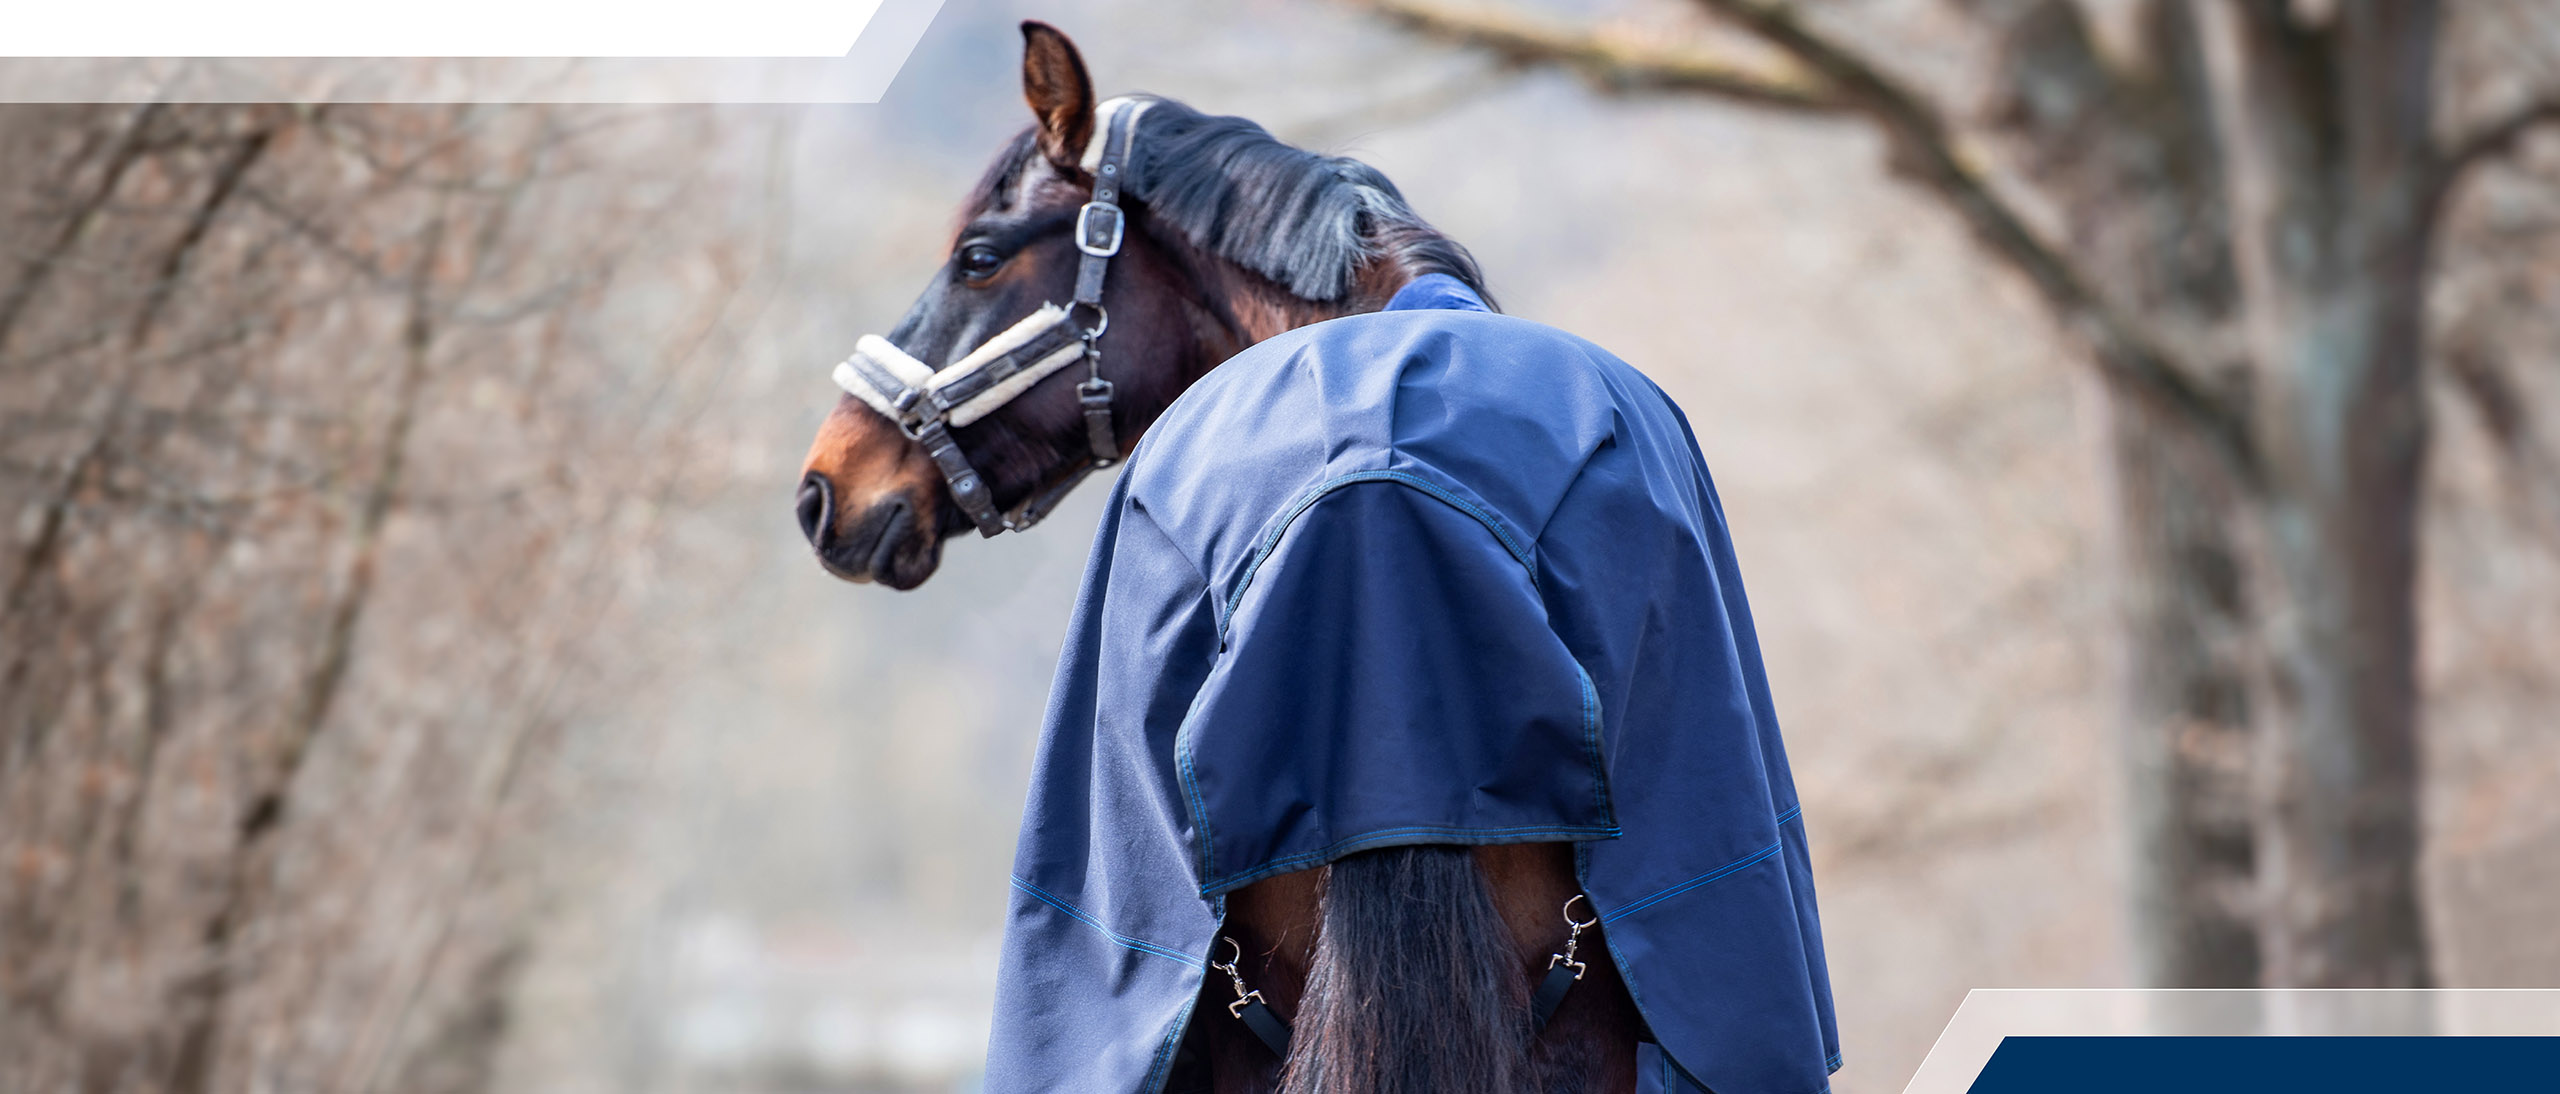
[2247, 201]
[326, 479]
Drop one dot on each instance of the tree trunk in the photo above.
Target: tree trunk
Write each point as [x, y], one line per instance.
[2129, 150]
[2330, 163]
[2183, 704]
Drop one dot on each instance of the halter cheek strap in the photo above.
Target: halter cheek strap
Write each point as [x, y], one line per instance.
[927, 404]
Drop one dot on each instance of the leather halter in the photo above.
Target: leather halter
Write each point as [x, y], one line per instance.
[928, 404]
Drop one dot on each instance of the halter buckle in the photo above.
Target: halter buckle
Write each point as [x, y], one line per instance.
[918, 410]
[1099, 226]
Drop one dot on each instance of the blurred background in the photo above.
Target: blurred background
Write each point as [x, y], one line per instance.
[411, 677]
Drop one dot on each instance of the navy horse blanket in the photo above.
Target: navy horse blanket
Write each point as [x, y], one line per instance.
[1429, 575]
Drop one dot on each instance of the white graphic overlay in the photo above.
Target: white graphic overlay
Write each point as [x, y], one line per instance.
[451, 51]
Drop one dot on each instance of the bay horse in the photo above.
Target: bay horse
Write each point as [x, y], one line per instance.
[1413, 968]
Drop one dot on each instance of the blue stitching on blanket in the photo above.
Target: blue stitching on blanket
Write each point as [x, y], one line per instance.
[1080, 916]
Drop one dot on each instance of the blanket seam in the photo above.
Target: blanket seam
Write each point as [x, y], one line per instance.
[1086, 918]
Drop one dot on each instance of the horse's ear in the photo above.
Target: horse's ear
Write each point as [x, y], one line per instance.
[1060, 93]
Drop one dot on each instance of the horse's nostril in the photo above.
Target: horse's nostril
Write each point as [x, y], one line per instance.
[817, 509]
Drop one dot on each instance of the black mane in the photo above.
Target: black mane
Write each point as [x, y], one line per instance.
[1306, 221]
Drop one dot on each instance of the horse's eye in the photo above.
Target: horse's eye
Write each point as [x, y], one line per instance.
[977, 262]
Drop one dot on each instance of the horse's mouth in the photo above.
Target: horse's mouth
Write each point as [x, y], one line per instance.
[854, 576]
[900, 570]
[887, 545]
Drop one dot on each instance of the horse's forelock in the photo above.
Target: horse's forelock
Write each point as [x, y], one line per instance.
[997, 189]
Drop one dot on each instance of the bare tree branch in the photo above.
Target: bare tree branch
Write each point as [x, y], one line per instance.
[2488, 385]
[206, 997]
[2490, 141]
[1615, 63]
[1924, 148]
[244, 154]
[39, 552]
[130, 147]
[200, 624]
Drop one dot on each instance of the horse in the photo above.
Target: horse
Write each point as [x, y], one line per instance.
[1404, 968]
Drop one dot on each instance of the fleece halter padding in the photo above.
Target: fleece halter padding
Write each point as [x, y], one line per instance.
[913, 374]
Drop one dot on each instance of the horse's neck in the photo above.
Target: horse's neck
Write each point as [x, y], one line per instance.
[1259, 308]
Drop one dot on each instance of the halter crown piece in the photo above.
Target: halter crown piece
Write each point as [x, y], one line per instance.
[928, 404]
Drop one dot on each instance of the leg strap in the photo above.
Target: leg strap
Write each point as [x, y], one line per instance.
[1551, 991]
[1263, 1023]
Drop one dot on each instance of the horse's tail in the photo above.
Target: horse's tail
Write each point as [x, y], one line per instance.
[1416, 987]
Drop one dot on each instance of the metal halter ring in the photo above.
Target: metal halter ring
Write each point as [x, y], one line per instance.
[1101, 319]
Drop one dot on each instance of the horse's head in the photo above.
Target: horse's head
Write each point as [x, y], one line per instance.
[1229, 237]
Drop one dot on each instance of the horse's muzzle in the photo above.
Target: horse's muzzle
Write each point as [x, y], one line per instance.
[886, 543]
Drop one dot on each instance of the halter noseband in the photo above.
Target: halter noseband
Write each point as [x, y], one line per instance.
[927, 404]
